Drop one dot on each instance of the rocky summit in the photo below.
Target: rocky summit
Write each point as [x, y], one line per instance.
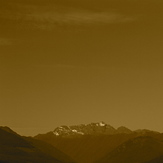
[89, 129]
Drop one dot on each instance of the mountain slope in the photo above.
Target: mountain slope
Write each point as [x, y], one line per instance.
[89, 143]
[156, 160]
[50, 150]
[87, 148]
[15, 149]
[136, 150]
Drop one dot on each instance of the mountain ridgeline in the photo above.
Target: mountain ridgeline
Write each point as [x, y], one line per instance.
[102, 143]
[91, 143]
[90, 129]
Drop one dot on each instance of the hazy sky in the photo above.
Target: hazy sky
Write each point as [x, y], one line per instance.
[66, 62]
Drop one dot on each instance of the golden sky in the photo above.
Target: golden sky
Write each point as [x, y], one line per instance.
[81, 61]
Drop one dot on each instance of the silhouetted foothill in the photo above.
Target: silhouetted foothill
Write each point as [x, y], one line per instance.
[17, 149]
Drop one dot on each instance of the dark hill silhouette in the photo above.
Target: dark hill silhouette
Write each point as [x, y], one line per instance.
[136, 150]
[98, 143]
[87, 148]
[50, 150]
[156, 160]
[17, 149]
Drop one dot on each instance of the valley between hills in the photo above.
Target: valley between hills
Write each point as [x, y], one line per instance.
[90, 143]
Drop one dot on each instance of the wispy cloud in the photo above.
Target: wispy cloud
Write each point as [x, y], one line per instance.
[47, 17]
[69, 66]
[78, 18]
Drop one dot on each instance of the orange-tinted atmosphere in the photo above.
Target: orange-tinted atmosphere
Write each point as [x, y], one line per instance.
[66, 62]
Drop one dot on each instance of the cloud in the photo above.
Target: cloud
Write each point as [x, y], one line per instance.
[78, 18]
[95, 17]
[48, 17]
[70, 66]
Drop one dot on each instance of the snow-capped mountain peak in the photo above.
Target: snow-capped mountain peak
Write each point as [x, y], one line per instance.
[66, 130]
[99, 128]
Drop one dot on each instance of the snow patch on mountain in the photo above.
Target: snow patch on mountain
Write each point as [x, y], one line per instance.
[56, 133]
[102, 124]
[99, 128]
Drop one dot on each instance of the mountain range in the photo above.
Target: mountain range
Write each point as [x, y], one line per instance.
[89, 129]
[85, 143]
